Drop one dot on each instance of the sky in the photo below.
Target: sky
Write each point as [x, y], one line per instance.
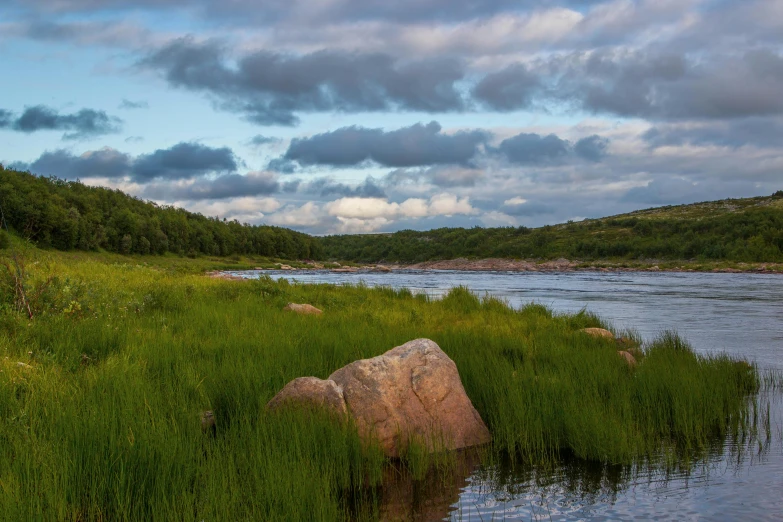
[360, 116]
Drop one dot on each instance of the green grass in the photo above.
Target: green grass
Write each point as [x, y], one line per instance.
[123, 358]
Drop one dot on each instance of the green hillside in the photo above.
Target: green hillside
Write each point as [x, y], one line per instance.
[739, 230]
[68, 215]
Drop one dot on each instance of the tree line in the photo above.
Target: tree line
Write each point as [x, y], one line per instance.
[68, 215]
[753, 234]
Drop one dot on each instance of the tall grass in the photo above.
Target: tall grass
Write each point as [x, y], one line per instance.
[102, 421]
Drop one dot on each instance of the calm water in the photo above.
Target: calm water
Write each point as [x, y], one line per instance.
[740, 314]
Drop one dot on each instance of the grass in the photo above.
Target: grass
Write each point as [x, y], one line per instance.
[102, 421]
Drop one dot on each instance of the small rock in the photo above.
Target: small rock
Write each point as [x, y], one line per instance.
[598, 332]
[208, 422]
[305, 309]
[630, 359]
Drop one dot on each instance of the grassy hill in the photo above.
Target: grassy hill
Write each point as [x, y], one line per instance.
[737, 230]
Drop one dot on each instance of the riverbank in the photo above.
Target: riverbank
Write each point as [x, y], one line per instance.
[103, 391]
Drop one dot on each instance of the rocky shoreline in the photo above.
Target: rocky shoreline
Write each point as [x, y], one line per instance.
[517, 265]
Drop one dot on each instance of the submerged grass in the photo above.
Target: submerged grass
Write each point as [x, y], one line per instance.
[102, 419]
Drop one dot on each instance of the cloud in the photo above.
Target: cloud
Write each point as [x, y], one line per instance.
[510, 89]
[409, 146]
[371, 208]
[643, 83]
[326, 187]
[307, 215]
[757, 132]
[531, 148]
[6, 118]
[258, 140]
[535, 149]
[220, 187]
[518, 206]
[251, 210]
[103, 163]
[85, 124]
[128, 104]
[269, 88]
[592, 148]
[183, 161]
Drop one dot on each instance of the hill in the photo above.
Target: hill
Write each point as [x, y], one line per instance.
[737, 230]
[68, 215]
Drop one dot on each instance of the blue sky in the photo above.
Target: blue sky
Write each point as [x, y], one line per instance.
[347, 116]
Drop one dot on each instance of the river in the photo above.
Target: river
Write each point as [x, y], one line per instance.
[741, 314]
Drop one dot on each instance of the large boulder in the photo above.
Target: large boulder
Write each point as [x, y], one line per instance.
[411, 392]
[305, 309]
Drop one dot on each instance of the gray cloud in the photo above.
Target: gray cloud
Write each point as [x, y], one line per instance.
[510, 89]
[592, 148]
[409, 146]
[221, 187]
[129, 104]
[247, 11]
[535, 149]
[259, 140]
[440, 176]
[87, 123]
[180, 162]
[6, 118]
[528, 209]
[183, 161]
[269, 88]
[531, 148]
[327, 187]
[758, 132]
[663, 86]
[106, 162]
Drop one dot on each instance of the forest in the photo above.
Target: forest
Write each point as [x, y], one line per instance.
[68, 215]
[751, 232]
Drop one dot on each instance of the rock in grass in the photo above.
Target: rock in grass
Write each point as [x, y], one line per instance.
[208, 422]
[411, 392]
[598, 332]
[630, 359]
[305, 309]
[310, 392]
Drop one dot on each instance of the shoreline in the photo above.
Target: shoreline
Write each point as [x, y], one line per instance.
[512, 265]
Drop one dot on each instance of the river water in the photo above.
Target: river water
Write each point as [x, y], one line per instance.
[741, 314]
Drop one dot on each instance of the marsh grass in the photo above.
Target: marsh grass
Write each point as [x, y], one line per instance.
[102, 422]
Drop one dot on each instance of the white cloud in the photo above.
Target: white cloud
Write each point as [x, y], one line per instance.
[308, 215]
[449, 204]
[497, 219]
[515, 201]
[362, 208]
[371, 208]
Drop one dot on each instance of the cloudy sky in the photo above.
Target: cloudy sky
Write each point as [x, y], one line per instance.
[347, 116]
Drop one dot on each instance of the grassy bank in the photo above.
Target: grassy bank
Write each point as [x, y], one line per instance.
[101, 419]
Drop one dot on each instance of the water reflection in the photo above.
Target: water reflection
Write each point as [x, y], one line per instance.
[734, 480]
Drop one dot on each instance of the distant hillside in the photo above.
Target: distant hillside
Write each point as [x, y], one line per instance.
[69, 215]
[742, 230]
